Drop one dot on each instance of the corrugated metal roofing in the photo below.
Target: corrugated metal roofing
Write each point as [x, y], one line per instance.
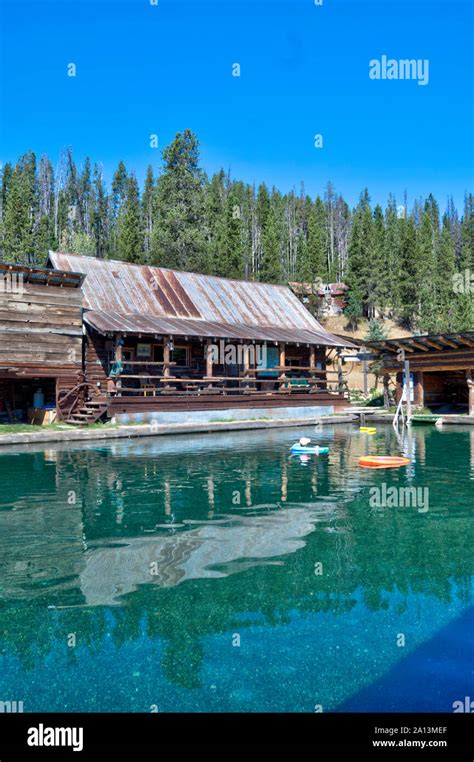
[431, 342]
[111, 322]
[42, 275]
[157, 300]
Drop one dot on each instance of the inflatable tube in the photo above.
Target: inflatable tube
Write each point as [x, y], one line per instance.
[368, 429]
[383, 461]
[298, 449]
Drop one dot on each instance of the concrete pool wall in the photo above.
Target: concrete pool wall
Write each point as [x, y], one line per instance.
[227, 414]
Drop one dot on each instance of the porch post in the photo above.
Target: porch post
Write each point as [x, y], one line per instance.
[312, 367]
[118, 356]
[407, 388]
[364, 369]
[340, 376]
[246, 363]
[470, 384]
[166, 356]
[399, 390]
[208, 352]
[419, 389]
[282, 365]
[386, 396]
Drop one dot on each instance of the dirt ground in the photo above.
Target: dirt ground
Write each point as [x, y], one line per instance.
[354, 372]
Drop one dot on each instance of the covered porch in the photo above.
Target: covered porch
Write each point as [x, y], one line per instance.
[440, 367]
[142, 371]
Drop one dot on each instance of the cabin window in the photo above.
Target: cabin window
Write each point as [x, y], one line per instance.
[144, 351]
[157, 352]
[128, 354]
[180, 356]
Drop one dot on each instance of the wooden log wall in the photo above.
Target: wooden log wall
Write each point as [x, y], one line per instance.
[41, 333]
[96, 360]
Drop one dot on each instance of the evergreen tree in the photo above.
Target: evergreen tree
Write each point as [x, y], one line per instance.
[262, 212]
[130, 234]
[100, 214]
[44, 238]
[463, 313]
[353, 310]
[467, 234]
[20, 215]
[391, 273]
[425, 271]
[179, 239]
[84, 198]
[312, 262]
[216, 216]
[7, 173]
[147, 209]
[330, 204]
[377, 291]
[444, 294]
[270, 267]
[117, 199]
[231, 260]
[361, 253]
[376, 331]
[408, 284]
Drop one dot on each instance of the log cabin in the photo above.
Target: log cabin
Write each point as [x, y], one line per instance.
[156, 341]
[40, 340]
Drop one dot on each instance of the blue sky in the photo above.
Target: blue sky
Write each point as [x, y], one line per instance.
[144, 69]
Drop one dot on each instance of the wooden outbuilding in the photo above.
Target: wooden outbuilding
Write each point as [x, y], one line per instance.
[41, 341]
[441, 368]
[158, 339]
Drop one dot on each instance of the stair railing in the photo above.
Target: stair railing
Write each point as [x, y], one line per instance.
[69, 392]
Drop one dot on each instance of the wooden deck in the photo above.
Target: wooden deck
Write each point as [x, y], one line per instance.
[164, 403]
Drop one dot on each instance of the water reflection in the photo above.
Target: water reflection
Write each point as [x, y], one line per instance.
[168, 544]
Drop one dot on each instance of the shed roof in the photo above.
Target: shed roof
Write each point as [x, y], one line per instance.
[427, 343]
[41, 275]
[143, 299]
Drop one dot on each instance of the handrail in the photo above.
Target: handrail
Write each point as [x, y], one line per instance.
[397, 414]
[68, 393]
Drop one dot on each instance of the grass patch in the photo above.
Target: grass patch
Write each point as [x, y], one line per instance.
[30, 428]
[237, 420]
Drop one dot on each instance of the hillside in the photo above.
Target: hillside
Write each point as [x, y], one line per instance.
[339, 325]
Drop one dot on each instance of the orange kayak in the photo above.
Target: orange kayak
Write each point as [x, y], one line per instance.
[383, 461]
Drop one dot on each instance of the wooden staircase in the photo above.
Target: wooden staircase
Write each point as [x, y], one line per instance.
[83, 405]
[90, 412]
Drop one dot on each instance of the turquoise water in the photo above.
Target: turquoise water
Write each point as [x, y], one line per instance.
[217, 573]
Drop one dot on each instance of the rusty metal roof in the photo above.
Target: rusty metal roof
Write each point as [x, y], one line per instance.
[143, 299]
[428, 342]
[112, 322]
[41, 275]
